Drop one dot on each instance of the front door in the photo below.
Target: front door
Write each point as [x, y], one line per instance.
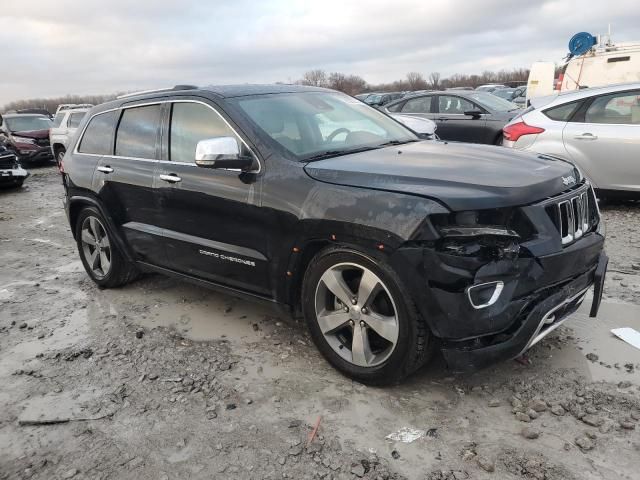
[211, 217]
[454, 125]
[604, 142]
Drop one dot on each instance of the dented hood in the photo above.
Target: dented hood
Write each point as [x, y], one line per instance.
[462, 176]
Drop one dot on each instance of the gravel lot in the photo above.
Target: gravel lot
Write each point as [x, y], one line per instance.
[166, 380]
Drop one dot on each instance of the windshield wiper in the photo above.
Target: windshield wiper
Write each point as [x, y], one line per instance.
[396, 142]
[337, 153]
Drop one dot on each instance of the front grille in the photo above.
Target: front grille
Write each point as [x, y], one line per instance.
[573, 215]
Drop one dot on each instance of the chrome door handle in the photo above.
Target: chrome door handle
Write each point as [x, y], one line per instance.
[586, 136]
[170, 178]
[105, 169]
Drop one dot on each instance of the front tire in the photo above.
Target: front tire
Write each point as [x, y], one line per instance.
[100, 256]
[361, 318]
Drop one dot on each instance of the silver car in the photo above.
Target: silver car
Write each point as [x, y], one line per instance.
[596, 128]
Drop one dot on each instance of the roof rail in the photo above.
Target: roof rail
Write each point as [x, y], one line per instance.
[166, 89]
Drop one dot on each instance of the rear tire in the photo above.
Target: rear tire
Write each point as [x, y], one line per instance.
[60, 155]
[377, 339]
[499, 140]
[100, 255]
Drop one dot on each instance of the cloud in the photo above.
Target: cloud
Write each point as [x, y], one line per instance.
[89, 46]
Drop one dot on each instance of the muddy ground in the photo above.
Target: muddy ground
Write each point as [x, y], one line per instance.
[166, 380]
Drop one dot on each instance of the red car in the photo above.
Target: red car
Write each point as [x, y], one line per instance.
[28, 136]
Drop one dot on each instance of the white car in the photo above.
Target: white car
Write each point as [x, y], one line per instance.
[424, 127]
[65, 124]
[596, 128]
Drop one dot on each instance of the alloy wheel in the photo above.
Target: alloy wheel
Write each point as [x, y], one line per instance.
[96, 247]
[356, 314]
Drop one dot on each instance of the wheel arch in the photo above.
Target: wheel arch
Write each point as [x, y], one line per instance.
[78, 202]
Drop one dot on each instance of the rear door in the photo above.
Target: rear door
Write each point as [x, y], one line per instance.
[454, 125]
[419, 107]
[125, 180]
[213, 224]
[604, 140]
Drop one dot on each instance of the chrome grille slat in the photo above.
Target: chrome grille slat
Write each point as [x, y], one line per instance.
[571, 215]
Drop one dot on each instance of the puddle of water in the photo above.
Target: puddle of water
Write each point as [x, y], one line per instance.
[72, 332]
[594, 336]
[198, 314]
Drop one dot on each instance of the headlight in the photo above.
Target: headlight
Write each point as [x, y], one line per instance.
[19, 139]
[488, 234]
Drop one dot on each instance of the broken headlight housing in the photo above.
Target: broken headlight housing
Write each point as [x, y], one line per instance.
[487, 234]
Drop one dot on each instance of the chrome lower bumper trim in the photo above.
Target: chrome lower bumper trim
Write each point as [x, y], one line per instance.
[539, 334]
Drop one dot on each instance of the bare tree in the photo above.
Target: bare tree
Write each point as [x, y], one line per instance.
[434, 80]
[415, 81]
[315, 78]
[350, 84]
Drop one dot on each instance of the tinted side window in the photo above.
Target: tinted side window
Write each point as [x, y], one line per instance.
[396, 108]
[454, 105]
[619, 108]
[98, 136]
[562, 113]
[138, 132]
[75, 119]
[190, 123]
[417, 105]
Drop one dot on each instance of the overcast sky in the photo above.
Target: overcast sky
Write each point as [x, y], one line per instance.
[56, 47]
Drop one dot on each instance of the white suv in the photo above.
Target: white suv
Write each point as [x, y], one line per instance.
[65, 124]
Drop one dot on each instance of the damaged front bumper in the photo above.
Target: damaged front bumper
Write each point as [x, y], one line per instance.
[535, 290]
[544, 312]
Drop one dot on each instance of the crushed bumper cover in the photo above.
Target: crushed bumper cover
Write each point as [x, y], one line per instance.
[542, 314]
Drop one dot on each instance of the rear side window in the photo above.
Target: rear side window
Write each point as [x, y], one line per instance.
[138, 132]
[75, 119]
[57, 120]
[190, 123]
[417, 105]
[396, 108]
[98, 136]
[562, 113]
[617, 109]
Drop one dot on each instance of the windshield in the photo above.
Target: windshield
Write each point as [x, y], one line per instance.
[492, 102]
[317, 124]
[27, 123]
[504, 93]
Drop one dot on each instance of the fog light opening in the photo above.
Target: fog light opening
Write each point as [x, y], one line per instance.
[485, 294]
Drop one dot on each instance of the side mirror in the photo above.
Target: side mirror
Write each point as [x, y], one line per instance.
[221, 152]
[474, 113]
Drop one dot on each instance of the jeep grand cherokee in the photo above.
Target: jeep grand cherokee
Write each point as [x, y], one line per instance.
[391, 247]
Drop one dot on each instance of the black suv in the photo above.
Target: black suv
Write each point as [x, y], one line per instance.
[306, 198]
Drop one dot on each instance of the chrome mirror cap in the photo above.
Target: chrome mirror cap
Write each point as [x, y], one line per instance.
[219, 149]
